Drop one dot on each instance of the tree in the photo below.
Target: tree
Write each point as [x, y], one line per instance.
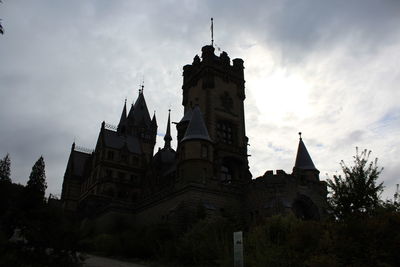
[357, 192]
[36, 186]
[1, 26]
[5, 171]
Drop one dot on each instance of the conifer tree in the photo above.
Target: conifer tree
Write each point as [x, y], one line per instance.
[37, 180]
[5, 170]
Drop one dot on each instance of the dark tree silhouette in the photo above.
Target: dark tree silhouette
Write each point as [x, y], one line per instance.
[5, 171]
[357, 192]
[36, 186]
[1, 26]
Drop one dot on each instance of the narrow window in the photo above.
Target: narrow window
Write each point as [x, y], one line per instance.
[204, 151]
[110, 155]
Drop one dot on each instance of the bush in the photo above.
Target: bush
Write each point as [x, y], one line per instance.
[208, 242]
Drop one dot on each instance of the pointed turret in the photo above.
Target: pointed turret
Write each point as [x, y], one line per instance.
[187, 116]
[130, 119]
[196, 128]
[182, 125]
[140, 112]
[154, 120]
[123, 120]
[303, 159]
[167, 137]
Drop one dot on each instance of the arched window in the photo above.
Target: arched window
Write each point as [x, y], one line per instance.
[305, 209]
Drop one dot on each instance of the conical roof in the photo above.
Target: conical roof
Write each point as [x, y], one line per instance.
[196, 128]
[303, 159]
[167, 137]
[188, 116]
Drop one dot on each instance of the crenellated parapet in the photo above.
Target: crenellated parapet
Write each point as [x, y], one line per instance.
[210, 66]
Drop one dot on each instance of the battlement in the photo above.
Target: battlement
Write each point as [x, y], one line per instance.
[220, 64]
[270, 173]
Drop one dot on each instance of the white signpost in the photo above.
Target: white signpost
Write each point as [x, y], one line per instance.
[238, 249]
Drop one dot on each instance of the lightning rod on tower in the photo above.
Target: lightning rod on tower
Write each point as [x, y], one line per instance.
[212, 32]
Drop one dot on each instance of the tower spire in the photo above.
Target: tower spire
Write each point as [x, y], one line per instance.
[122, 122]
[303, 159]
[167, 137]
[212, 32]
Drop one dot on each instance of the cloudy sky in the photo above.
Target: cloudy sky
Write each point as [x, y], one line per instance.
[330, 69]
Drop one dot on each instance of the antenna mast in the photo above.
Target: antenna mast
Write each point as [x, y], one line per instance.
[212, 32]
[141, 87]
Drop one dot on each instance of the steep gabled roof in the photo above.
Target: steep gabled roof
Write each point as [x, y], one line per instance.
[303, 159]
[79, 161]
[196, 128]
[113, 140]
[140, 112]
[122, 121]
[154, 120]
[130, 118]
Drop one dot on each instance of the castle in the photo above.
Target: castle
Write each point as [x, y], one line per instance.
[208, 172]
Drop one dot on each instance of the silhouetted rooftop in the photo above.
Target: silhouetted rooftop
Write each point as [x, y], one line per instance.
[303, 159]
[140, 111]
[187, 116]
[79, 161]
[114, 140]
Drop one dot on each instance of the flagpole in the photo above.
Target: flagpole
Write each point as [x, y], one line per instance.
[212, 32]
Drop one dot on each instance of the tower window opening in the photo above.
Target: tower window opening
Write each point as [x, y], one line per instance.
[110, 155]
[225, 132]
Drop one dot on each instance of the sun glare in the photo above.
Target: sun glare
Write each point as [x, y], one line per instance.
[279, 94]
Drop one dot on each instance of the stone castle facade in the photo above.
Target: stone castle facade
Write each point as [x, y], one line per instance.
[208, 171]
